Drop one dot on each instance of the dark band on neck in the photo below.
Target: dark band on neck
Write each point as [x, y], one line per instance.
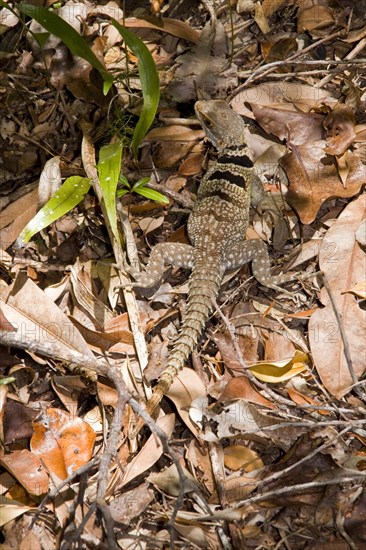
[228, 177]
[240, 160]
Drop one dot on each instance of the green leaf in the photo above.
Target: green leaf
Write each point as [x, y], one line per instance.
[109, 167]
[64, 200]
[124, 181]
[41, 38]
[149, 83]
[122, 192]
[152, 195]
[76, 43]
[141, 183]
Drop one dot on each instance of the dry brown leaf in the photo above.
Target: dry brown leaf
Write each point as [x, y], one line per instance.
[4, 323]
[205, 66]
[236, 488]
[260, 18]
[150, 452]
[124, 508]
[117, 329]
[271, 6]
[185, 388]
[28, 469]
[169, 481]
[314, 14]
[11, 509]
[340, 126]
[147, 225]
[314, 178]
[278, 371]
[295, 127]
[241, 388]
[84, 297]
[168, 154]
[192, 165]
[62, 441]
[302, 399]
[199, 459]
[16, 216]
[174, 132]
[17, 420]
[32, 313]
[343, 262]
[171, 26]
[279, 48]
[36, 316]
[239, 456]
[290, 96]
[248, 345]
[199, 537]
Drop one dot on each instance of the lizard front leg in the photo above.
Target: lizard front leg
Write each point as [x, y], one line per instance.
[255, 251]
[163, 254]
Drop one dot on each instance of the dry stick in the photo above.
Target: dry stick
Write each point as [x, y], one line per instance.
[112, 444]
[53, 492]
[225, 514]
[109, 454]
[269, 67]
[341, 328]
[77, 533]
[90, 367]
[348, 57]
[277, 475]
[327, 62]
[108, 523]
[308, 73]
[315, 424]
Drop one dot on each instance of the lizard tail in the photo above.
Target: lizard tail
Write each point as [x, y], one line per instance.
[204, 286]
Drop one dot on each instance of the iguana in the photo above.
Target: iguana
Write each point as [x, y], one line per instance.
[216, 229]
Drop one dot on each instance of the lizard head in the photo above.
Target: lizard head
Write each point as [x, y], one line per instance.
[223, 126]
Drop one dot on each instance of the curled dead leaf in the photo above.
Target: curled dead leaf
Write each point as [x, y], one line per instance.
[314, 178]
[62, 441]
[279, 371]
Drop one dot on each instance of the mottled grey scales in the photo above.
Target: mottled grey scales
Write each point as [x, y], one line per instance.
[216, 229]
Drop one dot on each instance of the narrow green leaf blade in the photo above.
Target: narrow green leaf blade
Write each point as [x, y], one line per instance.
[64, 200]
[122, 192]
[149, 83]
[76, 43]
[109, 167]
[152, 195]
[141, 183]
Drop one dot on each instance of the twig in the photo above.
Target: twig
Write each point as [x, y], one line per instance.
[297, 488]
[269, 67]
[277, 475]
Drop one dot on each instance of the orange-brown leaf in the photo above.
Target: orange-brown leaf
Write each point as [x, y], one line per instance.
[62, 441]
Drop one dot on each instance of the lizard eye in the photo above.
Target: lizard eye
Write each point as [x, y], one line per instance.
[208, 123]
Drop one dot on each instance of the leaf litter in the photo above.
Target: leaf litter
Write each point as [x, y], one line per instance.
[262, 444]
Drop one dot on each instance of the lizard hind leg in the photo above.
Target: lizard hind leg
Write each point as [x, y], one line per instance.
[162, 255]
[255, 251]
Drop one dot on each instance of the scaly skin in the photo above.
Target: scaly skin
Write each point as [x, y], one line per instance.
[216, 228]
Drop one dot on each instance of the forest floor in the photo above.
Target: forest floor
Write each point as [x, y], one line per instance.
[261, 441]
